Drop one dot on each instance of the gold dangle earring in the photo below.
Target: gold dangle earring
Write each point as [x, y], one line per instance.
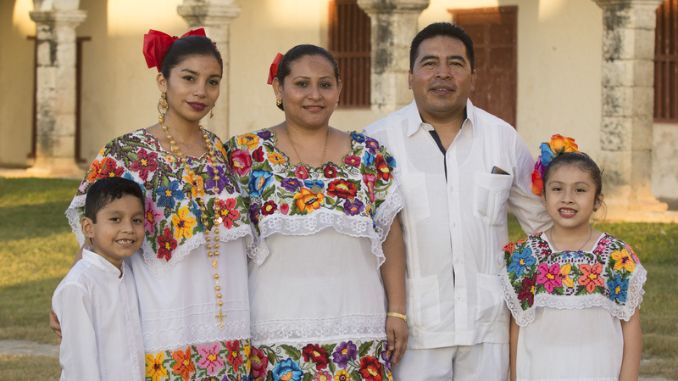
[162, 108]
[278, 102]
[212, 113]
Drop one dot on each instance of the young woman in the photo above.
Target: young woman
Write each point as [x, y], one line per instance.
[191, 274]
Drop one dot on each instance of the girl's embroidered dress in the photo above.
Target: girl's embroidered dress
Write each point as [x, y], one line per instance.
[318, 305]
[569, 304]
[185, 336]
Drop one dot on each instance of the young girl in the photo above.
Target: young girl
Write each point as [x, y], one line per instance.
[573, 291]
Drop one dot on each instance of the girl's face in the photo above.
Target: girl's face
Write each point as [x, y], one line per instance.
[570, 196]
[192, 87]
[310, 92]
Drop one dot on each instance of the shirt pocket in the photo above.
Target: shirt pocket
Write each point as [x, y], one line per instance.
[424, 306]
[490, 302]
[490, 192]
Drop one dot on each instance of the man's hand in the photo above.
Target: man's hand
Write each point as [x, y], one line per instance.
[54, 324]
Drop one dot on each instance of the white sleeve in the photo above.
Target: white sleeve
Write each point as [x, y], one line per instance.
[78, 351]
[525, 205]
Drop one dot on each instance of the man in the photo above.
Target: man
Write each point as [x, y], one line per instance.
[459, 168]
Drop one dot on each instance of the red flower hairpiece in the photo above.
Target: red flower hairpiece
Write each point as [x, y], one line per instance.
[273, 70]
[157, 44]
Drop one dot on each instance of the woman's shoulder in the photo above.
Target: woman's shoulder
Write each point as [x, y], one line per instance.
[251, 140]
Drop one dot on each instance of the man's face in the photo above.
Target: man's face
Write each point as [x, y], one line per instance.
[441, 79]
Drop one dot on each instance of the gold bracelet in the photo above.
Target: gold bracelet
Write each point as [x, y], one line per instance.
[397, 315]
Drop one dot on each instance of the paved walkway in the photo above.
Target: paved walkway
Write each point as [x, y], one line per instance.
[29, 348]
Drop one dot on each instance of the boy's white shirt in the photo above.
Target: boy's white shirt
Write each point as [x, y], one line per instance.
[100, 324]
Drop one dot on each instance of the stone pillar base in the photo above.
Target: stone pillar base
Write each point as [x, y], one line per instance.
[56, 167]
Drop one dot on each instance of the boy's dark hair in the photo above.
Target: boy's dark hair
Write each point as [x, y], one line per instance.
[189, 46]
[442, 29]
[107, 190]
[300, 51]
[583, 162]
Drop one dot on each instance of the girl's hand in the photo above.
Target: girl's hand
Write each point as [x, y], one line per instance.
[54, 323]
[396, 336]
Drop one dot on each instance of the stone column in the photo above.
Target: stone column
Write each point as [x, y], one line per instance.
[215, 16]
[56, 93]
[394, 24]
[627, 105]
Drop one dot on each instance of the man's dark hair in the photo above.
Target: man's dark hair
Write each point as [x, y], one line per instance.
[107, 190]
[442, 29]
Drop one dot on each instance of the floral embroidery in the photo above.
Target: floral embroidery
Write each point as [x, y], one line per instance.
[183, 364]
[590, 276]
[210, 359]
[227, 360]
[535, 274]
[154, 367]
[173, 190]
[348, 361]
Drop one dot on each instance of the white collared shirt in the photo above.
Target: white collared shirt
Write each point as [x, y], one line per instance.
[455, 227]
[99, 316]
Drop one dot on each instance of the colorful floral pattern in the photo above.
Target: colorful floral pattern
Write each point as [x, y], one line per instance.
[226, 360]
[172, 190]
[345, 361]
[535, 274]
[355, 187]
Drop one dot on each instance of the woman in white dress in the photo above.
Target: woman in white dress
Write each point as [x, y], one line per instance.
[327, 274]
[191, 274]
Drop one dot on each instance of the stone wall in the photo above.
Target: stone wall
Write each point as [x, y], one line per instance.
[665, 163]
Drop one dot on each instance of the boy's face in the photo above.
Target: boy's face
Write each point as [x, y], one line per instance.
[119, 230]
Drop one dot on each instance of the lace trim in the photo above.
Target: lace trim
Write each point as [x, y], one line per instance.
[376, 229]
[623, 312]
[73, 214]
[168, 333]
[355, 327]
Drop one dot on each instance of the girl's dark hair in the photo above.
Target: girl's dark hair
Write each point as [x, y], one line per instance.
[583, 162]
[189, 46]
[107, 190]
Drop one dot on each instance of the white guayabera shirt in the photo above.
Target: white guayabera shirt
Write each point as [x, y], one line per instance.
[455, 222]
[99, 316]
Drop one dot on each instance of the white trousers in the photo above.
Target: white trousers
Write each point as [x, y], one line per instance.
[480, 362]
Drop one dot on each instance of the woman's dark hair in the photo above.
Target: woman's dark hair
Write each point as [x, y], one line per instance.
[298, 52]
[189, 46]
[583, 162]
[442, 29]
[107, 190]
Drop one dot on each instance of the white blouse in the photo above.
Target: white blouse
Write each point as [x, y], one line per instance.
[99, 317]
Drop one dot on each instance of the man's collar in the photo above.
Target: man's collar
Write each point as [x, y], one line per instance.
[414, 121]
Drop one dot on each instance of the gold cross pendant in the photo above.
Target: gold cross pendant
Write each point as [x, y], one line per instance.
[220, 319]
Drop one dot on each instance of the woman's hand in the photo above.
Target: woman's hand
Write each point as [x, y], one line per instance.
[396, 336]
[54, 323]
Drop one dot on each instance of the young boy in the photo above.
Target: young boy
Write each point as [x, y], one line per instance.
[96, 303]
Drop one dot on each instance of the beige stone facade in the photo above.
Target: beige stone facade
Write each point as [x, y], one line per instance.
[565, 84]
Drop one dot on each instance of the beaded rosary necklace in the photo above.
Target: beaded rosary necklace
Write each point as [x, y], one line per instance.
[212, 248]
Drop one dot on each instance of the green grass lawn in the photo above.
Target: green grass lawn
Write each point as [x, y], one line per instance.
[37, 247]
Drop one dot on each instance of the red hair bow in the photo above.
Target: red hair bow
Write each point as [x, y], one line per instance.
[273, 70]
[157, 44]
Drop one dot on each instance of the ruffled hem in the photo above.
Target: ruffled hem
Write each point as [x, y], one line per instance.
[150, 258]
[376, 229]
[577, 302]
[328, 329]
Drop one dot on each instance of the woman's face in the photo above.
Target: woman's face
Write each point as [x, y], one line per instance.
[310, 92]
[192, 87]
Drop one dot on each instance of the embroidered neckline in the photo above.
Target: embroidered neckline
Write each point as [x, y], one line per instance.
[272, 143]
